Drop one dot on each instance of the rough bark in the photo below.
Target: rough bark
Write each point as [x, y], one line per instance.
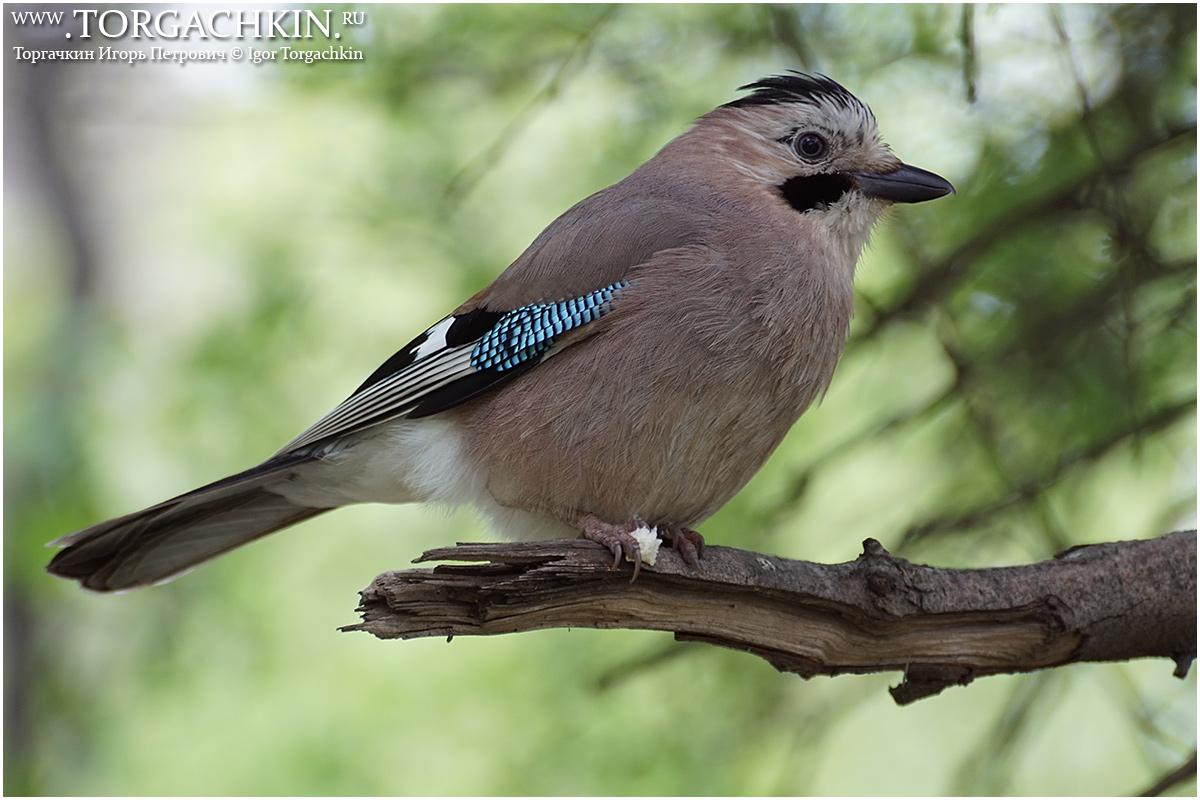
[940, 627]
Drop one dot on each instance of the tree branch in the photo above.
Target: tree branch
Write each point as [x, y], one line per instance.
[941, 627]
[1181, 774]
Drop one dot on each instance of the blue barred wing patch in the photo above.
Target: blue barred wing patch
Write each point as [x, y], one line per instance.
[524, 334]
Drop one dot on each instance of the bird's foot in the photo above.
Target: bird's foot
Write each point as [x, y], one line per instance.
[619, 539]
[623, 543]
[687, 542]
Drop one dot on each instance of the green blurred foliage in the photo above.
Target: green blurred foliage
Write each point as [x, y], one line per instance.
[200, 261]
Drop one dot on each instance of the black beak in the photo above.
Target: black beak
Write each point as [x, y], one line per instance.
[905, 185]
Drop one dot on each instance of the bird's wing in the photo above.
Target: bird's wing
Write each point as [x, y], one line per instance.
[544, 301]
[461, 357]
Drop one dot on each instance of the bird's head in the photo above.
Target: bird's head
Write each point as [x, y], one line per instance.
[818, 145]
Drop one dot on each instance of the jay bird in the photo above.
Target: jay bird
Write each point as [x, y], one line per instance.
[633, 368]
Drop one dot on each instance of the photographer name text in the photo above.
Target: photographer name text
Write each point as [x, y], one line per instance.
[254, 56]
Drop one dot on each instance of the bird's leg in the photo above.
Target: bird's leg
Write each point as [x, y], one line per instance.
[687, 542]
[619, 539]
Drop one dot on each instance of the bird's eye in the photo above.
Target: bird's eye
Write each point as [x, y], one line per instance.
[811, 146]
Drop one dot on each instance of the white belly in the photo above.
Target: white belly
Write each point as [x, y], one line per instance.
[409, 461]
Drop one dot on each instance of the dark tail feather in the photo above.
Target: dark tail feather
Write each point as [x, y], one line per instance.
[166, 540]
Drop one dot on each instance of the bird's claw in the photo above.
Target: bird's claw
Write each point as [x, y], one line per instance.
[618, 539]
[685, 541]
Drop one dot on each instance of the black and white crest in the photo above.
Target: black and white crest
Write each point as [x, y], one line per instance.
[796, 87]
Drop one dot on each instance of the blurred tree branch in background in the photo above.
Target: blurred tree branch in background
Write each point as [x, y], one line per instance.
[879, 613]
[1185, 772]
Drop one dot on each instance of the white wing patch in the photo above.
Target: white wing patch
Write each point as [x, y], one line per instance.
[436, 339]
